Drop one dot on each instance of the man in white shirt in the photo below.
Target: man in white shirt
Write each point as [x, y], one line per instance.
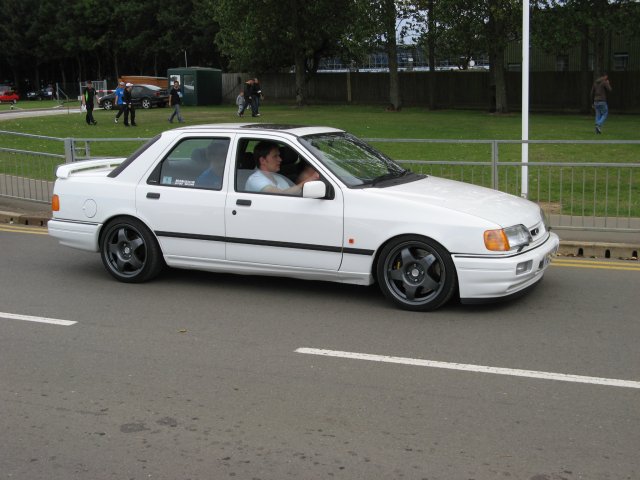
[266, 179]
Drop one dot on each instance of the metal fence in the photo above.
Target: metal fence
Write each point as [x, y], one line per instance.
[587, 195]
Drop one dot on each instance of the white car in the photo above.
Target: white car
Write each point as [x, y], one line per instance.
[360, 219]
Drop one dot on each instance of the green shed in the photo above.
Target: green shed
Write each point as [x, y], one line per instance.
[199, 85]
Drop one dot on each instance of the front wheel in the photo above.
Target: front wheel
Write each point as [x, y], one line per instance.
[146, 103]
[129, 251]
[107, 104]
[416, 273]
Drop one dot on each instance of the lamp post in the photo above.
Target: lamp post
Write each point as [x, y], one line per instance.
[525, 98]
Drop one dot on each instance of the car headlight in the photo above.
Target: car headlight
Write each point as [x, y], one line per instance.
[505, 239]
[545, 220]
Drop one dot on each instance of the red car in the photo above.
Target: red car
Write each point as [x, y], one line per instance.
[9, 96]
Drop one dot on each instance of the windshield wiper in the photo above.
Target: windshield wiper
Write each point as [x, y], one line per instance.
[389, 176]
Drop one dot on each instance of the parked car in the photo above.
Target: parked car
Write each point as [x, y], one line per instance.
[145, 96]
[364, 219]
[9, 96]
[43, 94]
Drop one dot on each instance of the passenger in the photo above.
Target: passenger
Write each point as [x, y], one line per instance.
[266, 179]
[216, 154]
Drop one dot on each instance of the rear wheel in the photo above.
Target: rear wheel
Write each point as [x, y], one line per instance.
[416, 273]
[129, 251]
[107, 104]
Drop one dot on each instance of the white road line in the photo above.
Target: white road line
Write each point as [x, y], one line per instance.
[28, 318]
[612, 382]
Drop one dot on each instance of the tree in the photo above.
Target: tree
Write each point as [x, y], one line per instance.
[272, 35]
[468, 26]
[560, 25]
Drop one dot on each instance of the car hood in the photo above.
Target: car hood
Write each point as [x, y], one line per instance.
[492, 205]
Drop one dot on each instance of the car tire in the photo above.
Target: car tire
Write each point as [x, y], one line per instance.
[416, 273]
[129, 251]
[107, 104]
[146, 103]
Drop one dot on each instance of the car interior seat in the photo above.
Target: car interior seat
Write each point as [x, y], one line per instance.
[291, 164]
[246, 166]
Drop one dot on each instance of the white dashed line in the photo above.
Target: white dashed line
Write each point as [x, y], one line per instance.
[28, 318]
[611, 382]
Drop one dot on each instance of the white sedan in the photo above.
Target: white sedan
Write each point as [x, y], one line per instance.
[312, 203]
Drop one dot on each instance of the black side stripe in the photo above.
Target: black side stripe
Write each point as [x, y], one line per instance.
[267, 243]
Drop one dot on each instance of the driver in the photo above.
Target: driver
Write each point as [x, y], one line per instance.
[266, 177]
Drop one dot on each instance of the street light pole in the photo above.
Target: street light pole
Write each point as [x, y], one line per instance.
[525, 98]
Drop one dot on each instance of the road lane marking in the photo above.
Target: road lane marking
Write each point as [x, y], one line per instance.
[24, 229]
[29, 318]
[612, 382]
[596, 265]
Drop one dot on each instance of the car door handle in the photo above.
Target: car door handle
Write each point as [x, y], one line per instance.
[153, 195]
[245, 203]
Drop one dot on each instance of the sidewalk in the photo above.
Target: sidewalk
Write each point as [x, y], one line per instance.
[573, 242]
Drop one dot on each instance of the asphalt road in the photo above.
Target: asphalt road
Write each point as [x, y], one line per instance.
[200, 376]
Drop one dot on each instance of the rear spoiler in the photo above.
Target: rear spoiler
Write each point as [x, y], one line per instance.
[64, 171]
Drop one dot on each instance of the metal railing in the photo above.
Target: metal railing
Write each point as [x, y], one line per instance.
[596, 195]
[599, 196]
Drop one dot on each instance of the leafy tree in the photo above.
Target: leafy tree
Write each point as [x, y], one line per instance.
[272, 35]
[486, 25]
[560, 25]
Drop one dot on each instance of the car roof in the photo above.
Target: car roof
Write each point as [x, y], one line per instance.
[297, 130]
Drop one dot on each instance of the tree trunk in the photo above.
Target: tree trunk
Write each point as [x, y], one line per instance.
[431, 40]
[585, 77]
[300, 80]
[392, 53]
[394, 78]
[497, 66]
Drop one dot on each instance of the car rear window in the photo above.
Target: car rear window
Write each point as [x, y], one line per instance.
[116, 171]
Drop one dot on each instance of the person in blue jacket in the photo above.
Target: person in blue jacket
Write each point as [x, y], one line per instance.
[119, 92]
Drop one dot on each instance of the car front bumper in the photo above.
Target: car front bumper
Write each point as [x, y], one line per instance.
[81, 235]
[495, 277]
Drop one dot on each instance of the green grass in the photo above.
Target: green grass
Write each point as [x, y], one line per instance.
[546, 185]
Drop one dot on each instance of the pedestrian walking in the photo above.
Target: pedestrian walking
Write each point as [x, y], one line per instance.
[240, 101]
[119, 93]
[256, 96]
[248, 101]
[88, 100]
[599, 92]
[129, 108]
[175, 99]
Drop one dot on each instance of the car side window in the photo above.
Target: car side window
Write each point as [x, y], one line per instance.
[193, 163]
[257, 176]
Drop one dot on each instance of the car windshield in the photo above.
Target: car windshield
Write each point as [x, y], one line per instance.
[353, 161]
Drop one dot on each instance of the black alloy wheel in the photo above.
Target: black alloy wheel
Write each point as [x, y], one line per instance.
[129, 251]
[416, 273]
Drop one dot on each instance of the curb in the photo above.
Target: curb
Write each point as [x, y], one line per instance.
[620, 251]
[24, 219]
[568, 248]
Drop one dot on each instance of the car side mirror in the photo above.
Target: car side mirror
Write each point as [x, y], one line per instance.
[314, 189]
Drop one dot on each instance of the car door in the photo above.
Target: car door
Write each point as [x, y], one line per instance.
[282, 231]
[186, 215]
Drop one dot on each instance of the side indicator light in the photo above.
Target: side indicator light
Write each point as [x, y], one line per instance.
[55, 203]
[496, 240]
